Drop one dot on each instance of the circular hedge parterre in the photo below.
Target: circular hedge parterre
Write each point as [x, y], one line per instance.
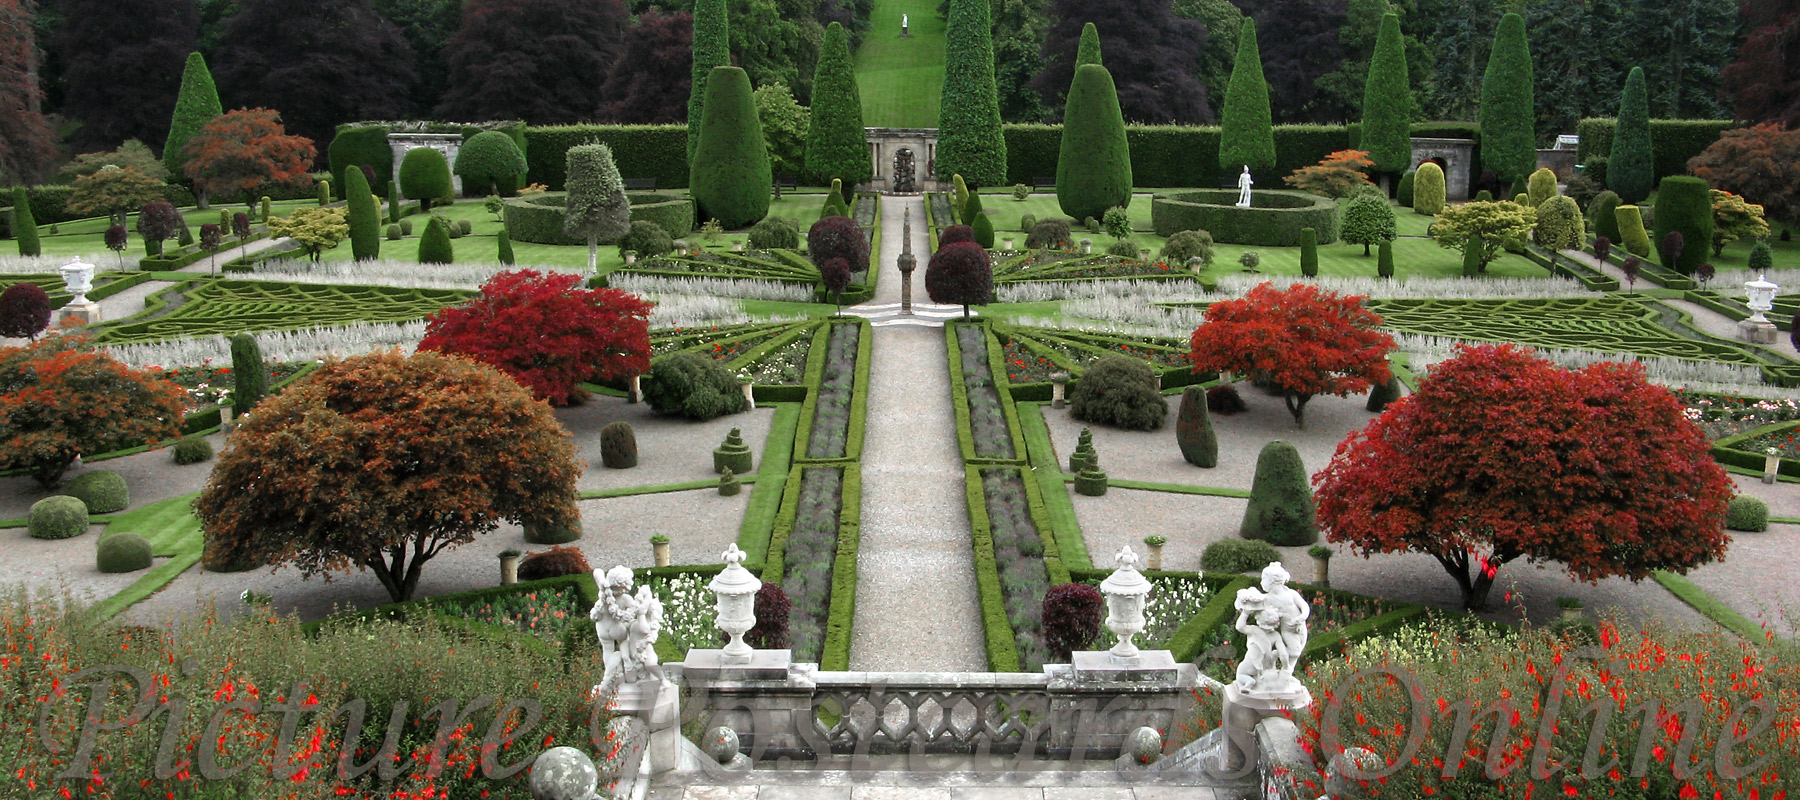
[1273, 220]
[539, 217]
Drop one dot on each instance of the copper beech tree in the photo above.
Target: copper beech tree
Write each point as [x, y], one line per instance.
[1302, 339]
[1500, 455]
[382, 462]
[547, 332]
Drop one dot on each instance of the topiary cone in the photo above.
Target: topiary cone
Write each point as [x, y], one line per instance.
[733, 455]
[1194, 429]
[1383, 394]
[618, 446]
[1090, 482]
[1281, 508]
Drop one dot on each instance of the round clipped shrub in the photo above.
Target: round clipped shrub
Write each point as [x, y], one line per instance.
[103, 491]
[1281, 508]
[647, 239]
[1123, 248]
[192, 450]
[960, 274]
[955, 234]
[1188, 244]
[424, 176]
[122, 552]
[406, 227]
[1403, 191]
[553, 534]
[1071, 616]
[774, 233]
[464, 227]
[838, 237]
[1746, 513]
[553, 563]
[58, 517]
[772, 612]
[1237, 555]
[1119, 391]
[490, 162]
[1225, 400]
[693, 385]
[1428, 189]
[1051, 234]
[393, 233]
[618, 446]
[1027, 222]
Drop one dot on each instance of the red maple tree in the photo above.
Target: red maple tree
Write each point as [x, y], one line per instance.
[62, 400]
[1303, 339]
[240, 150]
[547, 332]
[1500, 455]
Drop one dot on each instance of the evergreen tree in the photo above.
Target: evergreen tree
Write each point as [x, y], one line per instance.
[504, 243]
[1155, 67]
[1508, 145]
[364, 216]
[1631, 168]
[647, 83]
[1764, 80]
[1247, 134]
[1684, 204]
[836, 145]
[1019, 30]
[597, 206]
[729, 175]
[24, 225]
[195, 106]
[1301, 50]
[250, 380]
[1222, 19]
[100, 46]
[712, 48]
[542, 61]
[1387, 102]
[1684, 44]
[970, 142]
[1093, 170]
[27, 143]
[1089, 50]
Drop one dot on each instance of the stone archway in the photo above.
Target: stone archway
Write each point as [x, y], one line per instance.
[446, 143]
[886, 143]
[1455, 156]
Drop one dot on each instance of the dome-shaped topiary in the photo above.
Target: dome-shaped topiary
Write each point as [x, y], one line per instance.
[103, 491]
[424, 176]
[1194, 429]
[838, 237]
[618, 446]
[192, 450]
[694, 386]
[490, 163]
[647, 239]
[1123, 248]
[123, 552]
[1746, 513]
[58, 517]
[954, 234]
[1051, 234]
[553, 563]
[1281, 508]
[1186, 245]
[1119, 391]
[775, 233]
[960, 274]
[1237, 555]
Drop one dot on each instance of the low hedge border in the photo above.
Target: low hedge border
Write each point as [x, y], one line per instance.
[1212, 210]
[1171, 488]
[115, 282]
[538, 218]
[1652, 271]
[996, 358]
[1174, 378]
[1729, 307]
[177, 258]
[1590, 278]
[815, 375]
[959, 397]
[997, 632]
[771, 481]
[859, 398]
[1711, 608]
[834, 654]
[1046, 472]
[1726, 450]
[661, 488]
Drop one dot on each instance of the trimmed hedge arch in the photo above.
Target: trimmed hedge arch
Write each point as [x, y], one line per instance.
[1273, 220]
[539, 217]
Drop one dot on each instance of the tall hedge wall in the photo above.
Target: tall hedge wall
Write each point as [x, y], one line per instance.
[366, 143]
[642, 151]
[1673, 141]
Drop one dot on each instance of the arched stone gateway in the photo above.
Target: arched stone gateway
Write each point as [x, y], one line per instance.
[1456, 156]
[885, 145]
[446, 143]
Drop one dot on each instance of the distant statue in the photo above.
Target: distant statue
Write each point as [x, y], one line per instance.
[1264, 651]
[1290, 605]
[1244, 183]
[904, 183]
[627, 626]
[903, 25]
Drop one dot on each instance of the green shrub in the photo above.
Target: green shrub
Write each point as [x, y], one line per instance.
[1026, 223]
[541, 218]
[1631, 161]
[1384, 259]
[1684, 203]
[192, 450]
[1093, 172]
[1194, 429]
[618, 446]
[1186, 245]
[1604, 212]
[434, 244]
[1403, 191]
[553, 534]
[1281, 508]
[836, 147]
[693, 385]
[1274, 222]
[1123, 248]
[970, 140]
[1582, 189]
[23, 224]
[774, 233]
[977, 218]
[1540, 186]
[58, 517]
[1428, 189]
[104, 491]
[1238, 555]
[1507, 110]
[490, 162]
[1631, 231]
[503, 247]
[1246, 129]
[1052, 234]
[1747, 513]
[250, 381]
[364, 217]
[731, 173]
[406, 227]
[393, 233]
[122, 552]
[424, 176]
[1483, 196]
[1116, 222]
[1119, 391]
[1021, 191]
[354, 147]
[1092, 225]
[1382, 394]
[1368, 219]
[1309, 253]
[835, 205]
[647, 239]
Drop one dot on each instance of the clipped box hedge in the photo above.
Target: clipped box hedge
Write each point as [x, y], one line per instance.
[1274, 220]
[539, 217]
[1672, 141]
[1734, 450]
[642, 151]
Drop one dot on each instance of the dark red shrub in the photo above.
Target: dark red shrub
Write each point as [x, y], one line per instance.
[1224, 399]
[1673, 243]
[960, 274]
[836, 275]
[955, 233]
[115, 237]
[24, 311]
[210, 236]
[1071, 618]
[240, 224]
[1631, 267]
[159, 221]
[772, 609]
[838, 237]
[1602, 248]
[554, 563]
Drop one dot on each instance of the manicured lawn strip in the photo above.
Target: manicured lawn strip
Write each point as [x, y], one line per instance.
[1785, 520]
[173, 532]
[1059, 511]
[997, 632]
[1710, 607]
[899, 79]
[153, 581]
[1173, 488]
[633, 491]
[770, 485]
[835, 655]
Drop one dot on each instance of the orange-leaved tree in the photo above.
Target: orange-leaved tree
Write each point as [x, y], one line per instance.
[59, 400]
[383, 461]
[240, 150]
[1303, 339]
[1336, 175]
[1500, 454]
[547, 332]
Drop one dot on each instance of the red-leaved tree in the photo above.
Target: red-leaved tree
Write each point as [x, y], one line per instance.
[1761, 163]
[835, 274]
[547, 332]
[960, 274]
[27, 140]
[240, 150]
[61, 401]
[1305, 340]
[838, 237]
[1500, 454]
[24, 311]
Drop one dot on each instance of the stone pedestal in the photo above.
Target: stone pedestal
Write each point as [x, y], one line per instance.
[74, 314]
[1756, 332]
[1243, 710]
[714, 665]
[1148, 665]
[658, 704]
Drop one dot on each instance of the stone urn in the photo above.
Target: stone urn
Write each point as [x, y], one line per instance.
[509, 567]
[630, 257]
[1570, 610]
[1009, 243]
[1771, 465]
[659, 546]
[1321, 556]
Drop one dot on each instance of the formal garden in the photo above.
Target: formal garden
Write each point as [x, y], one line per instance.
[365, 416]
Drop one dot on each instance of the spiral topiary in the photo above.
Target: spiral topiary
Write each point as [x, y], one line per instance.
[57, 517]
[103, 491]
[123, 552]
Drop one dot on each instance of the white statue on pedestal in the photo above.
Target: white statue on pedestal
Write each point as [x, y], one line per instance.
[1244, 183]
[1273, 621]
[627, 626]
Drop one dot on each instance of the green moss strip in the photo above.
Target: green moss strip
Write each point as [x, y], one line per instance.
[771, 481]
[173, 532]
[662, 488]
[1174, 488]
[1709, 606]
[1059, 510]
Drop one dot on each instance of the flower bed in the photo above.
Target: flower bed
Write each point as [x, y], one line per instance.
[782, 366]
[1173, 601]
[1722, 416]
[206, 384]
[990, 435]
[1018, 552]
[828, 425]
[1748, 450]
[545, 614]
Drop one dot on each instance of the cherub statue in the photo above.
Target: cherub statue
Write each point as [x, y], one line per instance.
[1264, 651]
[1292, 608]
[627, 627]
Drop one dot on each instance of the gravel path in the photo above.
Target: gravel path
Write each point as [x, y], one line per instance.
[916, 604]
[671, 449]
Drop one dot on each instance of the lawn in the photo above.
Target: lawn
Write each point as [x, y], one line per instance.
[88, 236]
[901, 79]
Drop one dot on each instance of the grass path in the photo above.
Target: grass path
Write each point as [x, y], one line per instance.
[173, 532]
[901, 79]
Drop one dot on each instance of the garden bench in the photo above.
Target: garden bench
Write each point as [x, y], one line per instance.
[640, 184]
[1044, 182]
[786, 182]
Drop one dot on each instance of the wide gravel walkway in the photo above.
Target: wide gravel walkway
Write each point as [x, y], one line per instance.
[916, 605]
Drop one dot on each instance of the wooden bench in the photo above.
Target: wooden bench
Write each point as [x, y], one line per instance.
[1043, 182]
[786, 182]
[640, 184]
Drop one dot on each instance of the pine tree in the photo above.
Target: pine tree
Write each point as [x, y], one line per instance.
[1387, 102]
[1093, 170]
[712, 48]
[1246, 135]
[1631, 167]
[1508, 145]
[364, 216]
[195, 106]
[729, 175]
[836, 145]
[970, 142]
[1088, 52]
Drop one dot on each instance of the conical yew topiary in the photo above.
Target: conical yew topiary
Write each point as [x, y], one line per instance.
[1194, 429]
[1281, 509]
